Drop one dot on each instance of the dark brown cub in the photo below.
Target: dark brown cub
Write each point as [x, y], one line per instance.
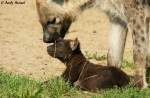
[82, 73]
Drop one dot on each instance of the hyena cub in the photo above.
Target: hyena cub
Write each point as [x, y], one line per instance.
[81, 72]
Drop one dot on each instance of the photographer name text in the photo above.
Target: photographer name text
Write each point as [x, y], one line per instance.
[14, 2]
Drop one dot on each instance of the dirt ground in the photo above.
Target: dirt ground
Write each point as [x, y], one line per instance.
[23, 52]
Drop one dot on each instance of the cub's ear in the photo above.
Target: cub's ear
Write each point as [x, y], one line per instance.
[74, 44]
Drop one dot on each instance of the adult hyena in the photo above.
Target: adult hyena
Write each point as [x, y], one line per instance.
[124, 15]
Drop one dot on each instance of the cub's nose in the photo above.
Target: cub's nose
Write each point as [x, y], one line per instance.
[50, 49]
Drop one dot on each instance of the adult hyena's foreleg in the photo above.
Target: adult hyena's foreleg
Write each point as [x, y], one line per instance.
[118, 33]
[140, 50]
[148, 53]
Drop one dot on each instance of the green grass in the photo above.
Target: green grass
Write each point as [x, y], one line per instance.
[15, 86]
[95, 56]
[18, 87]
[128, 92]
[127, 64]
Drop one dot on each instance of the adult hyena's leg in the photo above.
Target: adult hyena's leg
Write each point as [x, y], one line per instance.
[148, 53]
[117, 41]
[140, 49]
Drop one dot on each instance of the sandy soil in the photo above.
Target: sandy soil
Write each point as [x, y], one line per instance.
[23, 52]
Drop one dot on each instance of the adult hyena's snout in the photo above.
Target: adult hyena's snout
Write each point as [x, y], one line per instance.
[50, 38]
[51, 33]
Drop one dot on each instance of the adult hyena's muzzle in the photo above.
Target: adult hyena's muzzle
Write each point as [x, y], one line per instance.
[51, 33]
